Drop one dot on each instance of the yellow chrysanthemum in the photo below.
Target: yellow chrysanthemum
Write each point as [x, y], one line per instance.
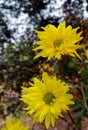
[55, 42]
[47, 99]
[13, 124]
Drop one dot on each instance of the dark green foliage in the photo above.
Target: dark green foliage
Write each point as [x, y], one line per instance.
[77, 106]
[81, 112]
[87, 8]
[86, 94]
[69, 69]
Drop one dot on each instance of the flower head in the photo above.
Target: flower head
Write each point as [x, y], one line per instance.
[47, 99]
[55, 42]
[13, 124]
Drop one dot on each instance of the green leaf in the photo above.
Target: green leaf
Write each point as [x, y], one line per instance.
[69, 69]
[56, 66]
[76, 106]
[86, 113]
[86, 73]
[86, 94]
[78, 118]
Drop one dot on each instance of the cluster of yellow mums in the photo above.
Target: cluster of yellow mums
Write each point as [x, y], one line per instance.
[14, 124]
[47, 98]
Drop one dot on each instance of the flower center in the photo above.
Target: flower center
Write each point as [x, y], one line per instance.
[49, 98]
[58, 42]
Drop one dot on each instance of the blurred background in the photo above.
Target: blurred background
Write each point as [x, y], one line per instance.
[18, 19]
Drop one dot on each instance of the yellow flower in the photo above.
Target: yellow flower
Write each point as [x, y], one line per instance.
[46, 67]
[47, 99]
[55, 42]
[13, 124]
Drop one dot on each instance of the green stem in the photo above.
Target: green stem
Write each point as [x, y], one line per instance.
[85, 102]
[61, 69]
